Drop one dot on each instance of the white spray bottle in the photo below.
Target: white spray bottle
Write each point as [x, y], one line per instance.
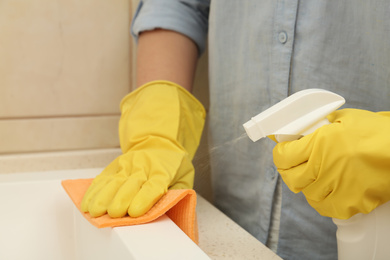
[363, 236]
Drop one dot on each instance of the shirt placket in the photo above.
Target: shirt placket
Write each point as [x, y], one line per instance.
[283, 47]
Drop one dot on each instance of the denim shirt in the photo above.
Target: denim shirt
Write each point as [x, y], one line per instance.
[260, 52]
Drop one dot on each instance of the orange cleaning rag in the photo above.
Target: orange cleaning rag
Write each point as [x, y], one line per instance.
[178, 205]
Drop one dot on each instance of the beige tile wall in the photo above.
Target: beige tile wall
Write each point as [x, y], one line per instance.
[64, 67]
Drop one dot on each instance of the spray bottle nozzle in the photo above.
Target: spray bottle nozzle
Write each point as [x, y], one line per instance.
[295, 116]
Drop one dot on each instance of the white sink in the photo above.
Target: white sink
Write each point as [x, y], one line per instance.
[39, 221]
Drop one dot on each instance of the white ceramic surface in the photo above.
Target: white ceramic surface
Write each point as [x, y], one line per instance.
[39, 221]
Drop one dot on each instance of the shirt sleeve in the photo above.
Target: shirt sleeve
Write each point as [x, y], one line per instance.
[188, 17]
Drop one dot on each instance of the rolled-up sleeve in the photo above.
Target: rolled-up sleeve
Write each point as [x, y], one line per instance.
[188, 17]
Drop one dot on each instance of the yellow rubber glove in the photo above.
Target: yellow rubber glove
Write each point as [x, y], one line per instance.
[159, 130]
[342, 168]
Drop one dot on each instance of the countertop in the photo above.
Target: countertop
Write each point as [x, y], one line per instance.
[222, 238]
[219, 236]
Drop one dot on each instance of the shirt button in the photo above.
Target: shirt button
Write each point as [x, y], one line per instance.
[282, 37]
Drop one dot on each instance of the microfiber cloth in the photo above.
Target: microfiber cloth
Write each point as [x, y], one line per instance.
[178, 205]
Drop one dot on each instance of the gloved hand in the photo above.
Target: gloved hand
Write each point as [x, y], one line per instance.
[342, 168]
[159, 131]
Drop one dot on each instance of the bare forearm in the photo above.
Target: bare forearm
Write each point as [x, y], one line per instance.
[166, 55]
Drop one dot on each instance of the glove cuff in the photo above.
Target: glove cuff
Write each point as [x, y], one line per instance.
[165, 110]
[163, 83]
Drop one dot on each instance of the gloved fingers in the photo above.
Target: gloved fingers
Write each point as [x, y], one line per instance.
[350, 198]
[97, 184]
[297, 178]
[326, 209]
[329, 208]
[149, 194]
[308, 178]
[318, 191]
[291, 154]
[346, 171]
[99, 203]
[120, 204]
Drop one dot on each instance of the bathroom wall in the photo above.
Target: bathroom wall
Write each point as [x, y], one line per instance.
[64, 66]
